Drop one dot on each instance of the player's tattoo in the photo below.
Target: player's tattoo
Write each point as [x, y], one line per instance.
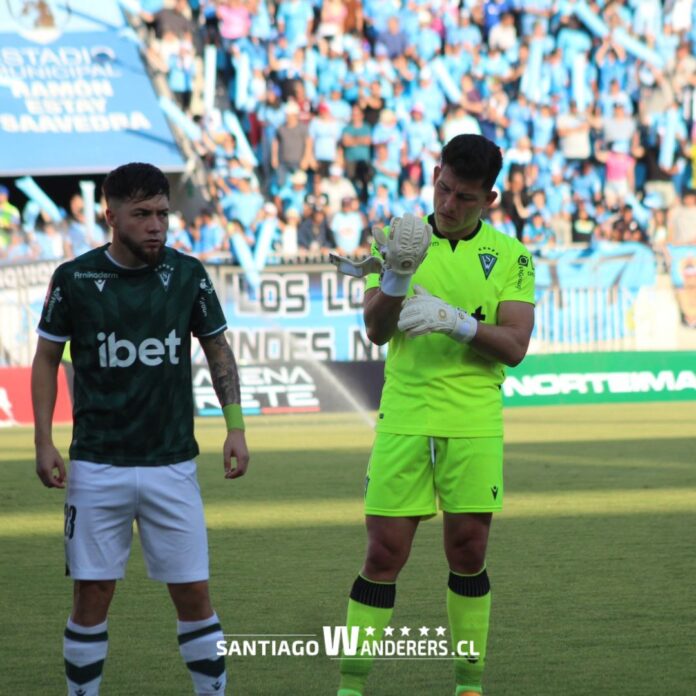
[223, 369]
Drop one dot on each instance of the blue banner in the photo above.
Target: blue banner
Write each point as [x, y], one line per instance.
[77, 99]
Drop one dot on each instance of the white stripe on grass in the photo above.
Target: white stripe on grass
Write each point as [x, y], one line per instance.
[314, 513]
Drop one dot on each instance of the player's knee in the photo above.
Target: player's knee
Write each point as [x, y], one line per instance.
[91, 600]
[466, 555]
[385, 558]
[192, 600]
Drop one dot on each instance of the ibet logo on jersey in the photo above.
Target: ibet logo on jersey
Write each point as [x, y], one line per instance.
[114, 352]
[341, 642]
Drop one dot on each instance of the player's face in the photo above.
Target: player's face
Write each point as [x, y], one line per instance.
[458, 203]
[140, 229]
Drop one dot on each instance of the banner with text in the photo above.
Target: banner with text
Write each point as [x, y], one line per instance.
[76, 101]
[594, 378]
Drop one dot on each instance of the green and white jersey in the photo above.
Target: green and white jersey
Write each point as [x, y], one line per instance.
[434, 385]
[130, 339]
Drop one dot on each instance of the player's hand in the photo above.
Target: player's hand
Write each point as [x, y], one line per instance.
[235, 447]
[406, 245]
[424, 313]
[50, 467]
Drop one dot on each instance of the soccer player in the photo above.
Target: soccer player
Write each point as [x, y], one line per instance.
[129, 309]
[456, 307]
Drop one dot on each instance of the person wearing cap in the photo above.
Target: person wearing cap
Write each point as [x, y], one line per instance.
[336, 187]
[324, 135]
[421, 144]
[454, 299]
[292, 195]
[9, 217]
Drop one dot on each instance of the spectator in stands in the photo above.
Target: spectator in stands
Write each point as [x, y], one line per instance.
[573, 129]
[499, 220]
[48, 242]
[681, 222]
[288, 246]
[242, 202]
[176, 19]
[536, 232]
[293, 195]
[393, 39]
[294, 19]
[19, 248]
[583, 223]
[458, 122]
[207, 235]
[314, 236]
[380, 209]
[181, 71]
[9, 217]
[336, 187]
[626, 228]
[587, 183]
[332, 18]
[410, 200]
[371, 101]
[619, 175]
[515, 200]
[81, 236]
[234, 228]
[324, 135]
[347, 227]
[355, 145]
[290, 150]
[178, 235]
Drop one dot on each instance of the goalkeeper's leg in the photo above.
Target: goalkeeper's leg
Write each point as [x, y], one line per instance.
[468, 596]
[373, 594]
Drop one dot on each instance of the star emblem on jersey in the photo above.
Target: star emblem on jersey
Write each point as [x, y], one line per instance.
[164, 271]
[487, 263]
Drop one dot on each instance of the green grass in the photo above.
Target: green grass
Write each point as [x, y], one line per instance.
[592, 562]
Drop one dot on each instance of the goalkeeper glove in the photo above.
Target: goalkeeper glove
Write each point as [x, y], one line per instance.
[424, 313]
[403, 249]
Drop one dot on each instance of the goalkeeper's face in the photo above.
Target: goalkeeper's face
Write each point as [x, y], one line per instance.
[458, 203]
[140, 227]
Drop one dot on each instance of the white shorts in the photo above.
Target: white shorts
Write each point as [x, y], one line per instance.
[103, 500]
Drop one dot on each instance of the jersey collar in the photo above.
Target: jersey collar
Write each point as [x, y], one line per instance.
[453, 242]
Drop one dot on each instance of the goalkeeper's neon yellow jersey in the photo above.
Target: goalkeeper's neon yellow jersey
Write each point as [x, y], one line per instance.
[434, 385]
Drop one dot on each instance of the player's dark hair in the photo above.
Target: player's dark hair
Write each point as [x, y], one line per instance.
[473, 158]
[135, 181]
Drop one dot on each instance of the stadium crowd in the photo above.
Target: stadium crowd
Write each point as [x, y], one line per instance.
[346, 106]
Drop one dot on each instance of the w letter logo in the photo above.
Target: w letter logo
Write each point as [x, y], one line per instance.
[487, 263]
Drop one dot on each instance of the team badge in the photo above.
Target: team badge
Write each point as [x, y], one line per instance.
[487, 263]
[41, 22]
[164, 271]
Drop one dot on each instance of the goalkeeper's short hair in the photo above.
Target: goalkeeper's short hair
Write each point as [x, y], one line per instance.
[473, 157]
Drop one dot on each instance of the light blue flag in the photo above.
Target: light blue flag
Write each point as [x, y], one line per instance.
[444, 79]
[264, 242]
[179, 118]
[209, 77]
[243, 147]
[669, 140]
[637, 48]
[590, 19]
[242, 253]
[34, 193]
[579, 81]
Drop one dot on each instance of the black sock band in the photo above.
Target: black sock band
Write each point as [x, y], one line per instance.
[470, 585]
[374, 594]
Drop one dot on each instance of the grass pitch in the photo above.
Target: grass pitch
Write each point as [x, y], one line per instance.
[591, 563]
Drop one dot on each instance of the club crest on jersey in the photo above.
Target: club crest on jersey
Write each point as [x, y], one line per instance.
[164, 271]
[487, 263]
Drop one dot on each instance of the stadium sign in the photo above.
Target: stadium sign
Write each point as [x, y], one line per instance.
[601, 378]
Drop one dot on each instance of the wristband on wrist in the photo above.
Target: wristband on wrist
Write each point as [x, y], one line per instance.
[233, 417]
[465, 327]
[393, 284]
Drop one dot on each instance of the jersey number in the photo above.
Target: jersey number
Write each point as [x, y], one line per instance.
[70, 515]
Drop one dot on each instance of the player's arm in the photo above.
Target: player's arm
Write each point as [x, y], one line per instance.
[225, 378]
[381, 314]
[50, 467]
[508, 340]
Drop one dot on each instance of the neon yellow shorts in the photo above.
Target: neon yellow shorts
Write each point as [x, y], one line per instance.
[408, 474]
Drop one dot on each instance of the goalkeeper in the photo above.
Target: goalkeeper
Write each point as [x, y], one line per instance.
[455, 300]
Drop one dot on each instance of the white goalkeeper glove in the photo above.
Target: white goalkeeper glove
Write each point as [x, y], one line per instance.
[424, 313]
[403, 249]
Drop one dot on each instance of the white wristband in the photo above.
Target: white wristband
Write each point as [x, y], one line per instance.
[465, 327]
[394, 284]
